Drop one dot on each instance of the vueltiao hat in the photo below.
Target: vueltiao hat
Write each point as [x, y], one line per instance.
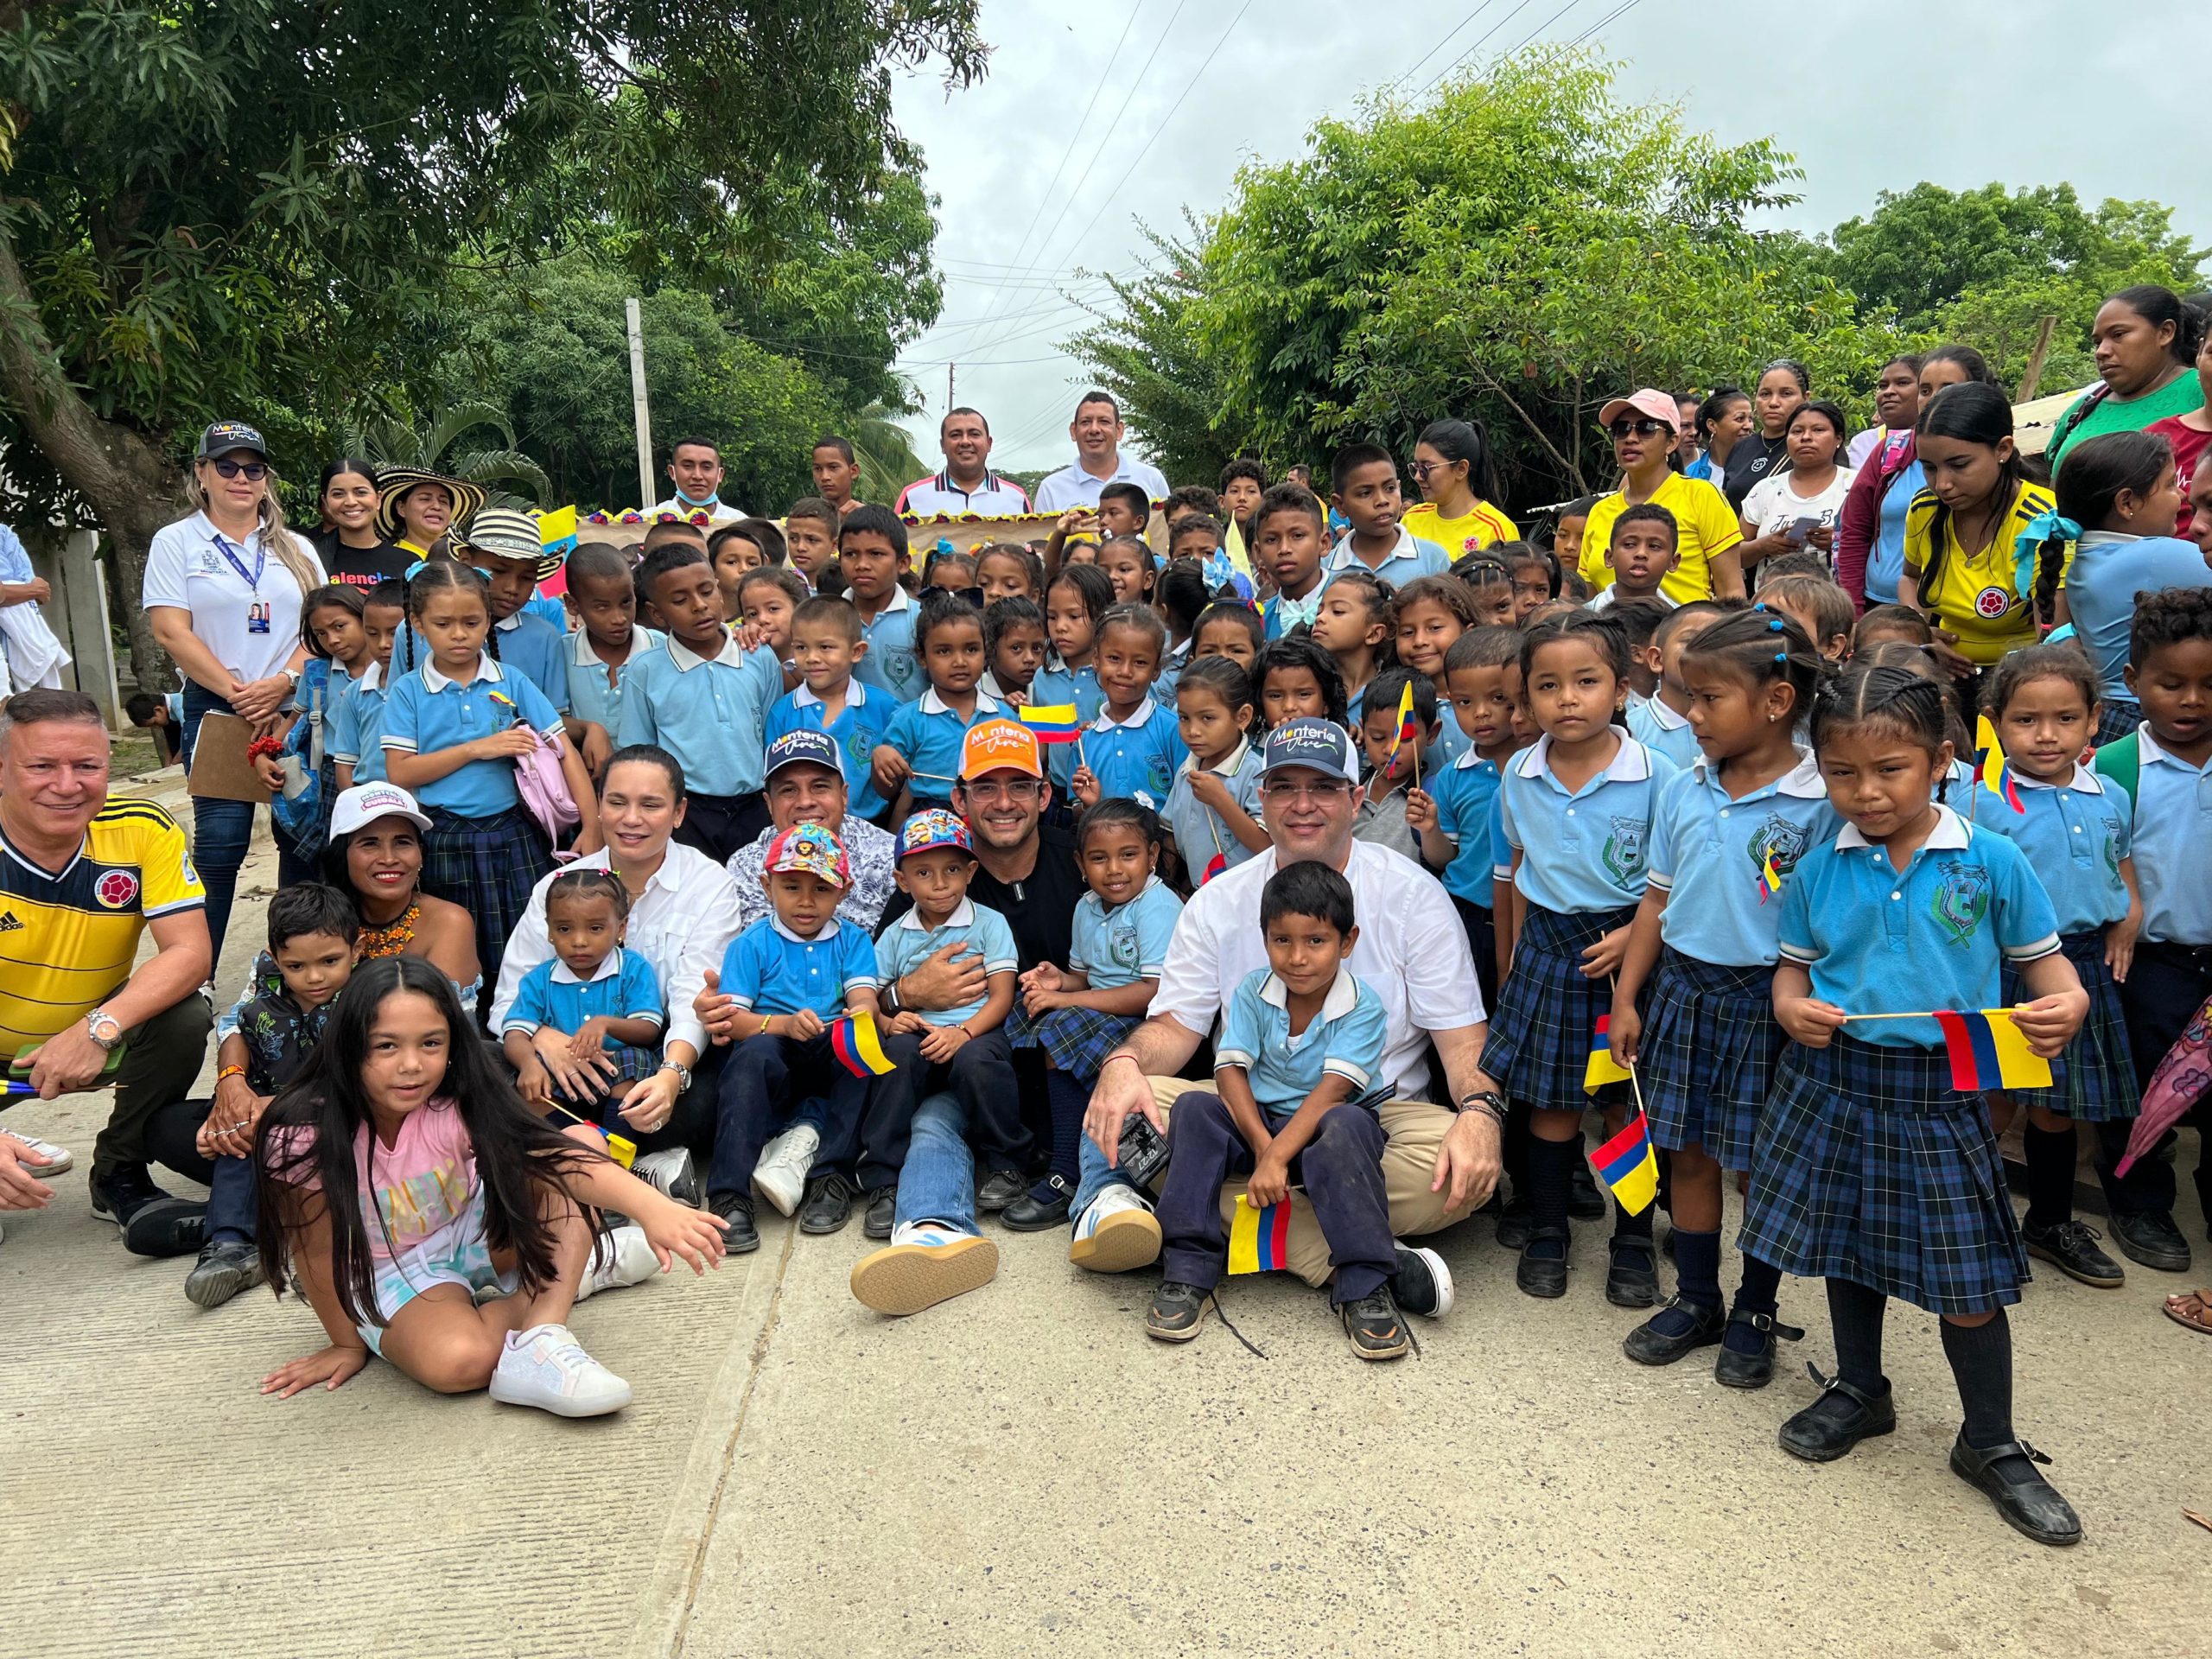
[394, 482]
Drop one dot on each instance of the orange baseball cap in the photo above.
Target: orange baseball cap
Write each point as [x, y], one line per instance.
[1000, 746]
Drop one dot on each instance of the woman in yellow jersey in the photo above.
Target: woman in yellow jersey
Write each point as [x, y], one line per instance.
[1451, 466]
[1643, 427]
[1960, 536]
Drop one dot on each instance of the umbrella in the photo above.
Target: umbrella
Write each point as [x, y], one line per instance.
[2178, 1083]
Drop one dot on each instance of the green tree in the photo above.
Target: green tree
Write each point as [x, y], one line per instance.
[243, 208]
[434, 443]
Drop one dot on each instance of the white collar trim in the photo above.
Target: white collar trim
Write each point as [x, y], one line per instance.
[964, 915]
[1631, 763]
[933, 704]
[829, 931]
[487, 669]
[2083, 782]
[1803, 780]
[686, 659]
[1227, 766]
[1140, 715]
[1949, 835]
[1343, 995]
[608, 966]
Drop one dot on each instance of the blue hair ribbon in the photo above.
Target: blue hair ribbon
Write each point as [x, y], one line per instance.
[2043, 527]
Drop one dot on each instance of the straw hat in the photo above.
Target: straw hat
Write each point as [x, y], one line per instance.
[504, 533]
[394, 482]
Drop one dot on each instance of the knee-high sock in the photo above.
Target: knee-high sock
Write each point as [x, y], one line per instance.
[1857, 1312]
[1067, 1098]
[1981, 1365]
[2050, 1174]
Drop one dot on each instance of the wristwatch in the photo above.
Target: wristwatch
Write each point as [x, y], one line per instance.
[1488, 1102]
[104, 1029]
[683, 1074]
[293, 675]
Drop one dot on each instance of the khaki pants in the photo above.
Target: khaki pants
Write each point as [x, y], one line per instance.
[1416, 1130]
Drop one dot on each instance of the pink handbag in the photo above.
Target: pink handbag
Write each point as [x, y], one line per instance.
[545, 789]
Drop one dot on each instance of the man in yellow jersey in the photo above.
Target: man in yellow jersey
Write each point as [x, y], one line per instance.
[81, 879]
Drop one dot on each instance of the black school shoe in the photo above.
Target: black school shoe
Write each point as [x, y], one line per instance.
[1753, 1370]
[827, 1205]
[1032, 1213]
[1422, 1284]
[153, 1222]
[1681, 1327]
[1820, 1435]
[739, 1236]
[2071, 1247]
[2007, 1475]
[1513, 1223]
[1377, 1329]
[226, 1266]
[2149, 1239]
[1542, 1275]
[882, 1212]
[1584, 1201]
[1000, 1188]
[1631, 1272]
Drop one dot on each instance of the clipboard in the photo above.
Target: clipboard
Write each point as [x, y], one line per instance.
[220, 771]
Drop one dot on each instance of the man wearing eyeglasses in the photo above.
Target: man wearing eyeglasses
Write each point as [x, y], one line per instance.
[1441, 1160]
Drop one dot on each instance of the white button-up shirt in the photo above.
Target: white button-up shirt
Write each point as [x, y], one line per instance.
[1071, 487]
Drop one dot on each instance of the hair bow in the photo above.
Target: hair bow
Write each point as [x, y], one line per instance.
[2047, 525]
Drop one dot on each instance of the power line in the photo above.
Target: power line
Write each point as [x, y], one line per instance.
[1437, 45]
[1476, 48]
[1542, 27]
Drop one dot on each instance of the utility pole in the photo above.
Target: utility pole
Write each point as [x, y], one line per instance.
[638, 405]
[948, 388]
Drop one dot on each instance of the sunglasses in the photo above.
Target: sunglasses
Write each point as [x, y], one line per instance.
[1646, 428]
[256, 470]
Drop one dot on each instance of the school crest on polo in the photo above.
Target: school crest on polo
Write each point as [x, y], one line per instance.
[1780, 838]
[1961, 899]
[1623, 853]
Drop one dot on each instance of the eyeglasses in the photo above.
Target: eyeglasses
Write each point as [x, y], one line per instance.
[1423, 468]
[1286, 793]
[256, 470]
[1646, 428]
[1016, 792]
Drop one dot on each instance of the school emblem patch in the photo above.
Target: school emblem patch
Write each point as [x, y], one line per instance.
[115, 889]
[1961, 899]
[1623, 853]
[1780, 838]
[1991, 603]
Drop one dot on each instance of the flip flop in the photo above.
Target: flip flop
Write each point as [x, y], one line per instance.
[2193, 1309]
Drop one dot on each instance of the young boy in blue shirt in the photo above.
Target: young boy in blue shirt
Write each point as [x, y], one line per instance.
[872, 555]
[1363, 482]
[1289, 542]
[827, 647]
[586, 1024]
[1299, 1067]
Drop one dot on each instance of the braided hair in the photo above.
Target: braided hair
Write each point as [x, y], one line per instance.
[593, 883]
[1759, 648]
[1893, 699]
[444, 573]
[1224, 678]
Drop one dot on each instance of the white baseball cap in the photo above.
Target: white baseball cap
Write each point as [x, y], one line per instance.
[364, 803]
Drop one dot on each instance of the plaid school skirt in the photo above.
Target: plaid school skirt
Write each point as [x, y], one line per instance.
[1548, 1012]
[487, 866]
[2116, 718]
[1871, 1167]
[1078, 1040]
[1710, 1042]
[2094, 1079]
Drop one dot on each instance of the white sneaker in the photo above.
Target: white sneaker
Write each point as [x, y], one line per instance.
[46, 1159]
[926, 1263]
[780, 1176]
[1118, 1232]
[625, 1259]
[547, 1368]
[671, 1174]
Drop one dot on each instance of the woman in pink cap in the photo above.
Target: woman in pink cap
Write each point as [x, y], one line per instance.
[1643, 426]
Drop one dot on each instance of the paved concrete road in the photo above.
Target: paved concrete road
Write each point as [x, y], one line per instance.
[1021, 1472]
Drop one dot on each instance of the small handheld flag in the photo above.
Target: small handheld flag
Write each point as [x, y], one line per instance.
[1626, 1164]
[1051, 722]
[1770, 878]
[1215, 866]
[1259, 1240]
[557, 530]
[1988, 1050]
[1603, 1068]
[624, 1153]
[1996, 773]
[858, 1048]
[1407, 727]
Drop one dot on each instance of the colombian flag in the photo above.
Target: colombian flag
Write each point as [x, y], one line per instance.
[1996, 775]
[1053, 723]
[1770, 878]
[1626, 1164]
[557, 530]
[1407, 727]
[1988, 1050]
[858, 1048]
[1214, 867]
[1259, 1240]
[1603, 1068]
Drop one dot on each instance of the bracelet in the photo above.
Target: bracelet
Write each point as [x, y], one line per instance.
[229, 1071]
[1488, 1102]
[1120, 1054]
[891, 996]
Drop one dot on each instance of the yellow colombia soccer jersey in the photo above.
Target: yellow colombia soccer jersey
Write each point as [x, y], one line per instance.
[1485, 527]
[67, 940]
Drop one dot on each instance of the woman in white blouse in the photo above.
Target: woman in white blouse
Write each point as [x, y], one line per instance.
[1807, 493]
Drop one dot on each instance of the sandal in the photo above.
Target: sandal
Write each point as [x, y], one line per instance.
[2192, 1308]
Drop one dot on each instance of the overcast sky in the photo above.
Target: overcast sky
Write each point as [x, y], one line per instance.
[2030, 91]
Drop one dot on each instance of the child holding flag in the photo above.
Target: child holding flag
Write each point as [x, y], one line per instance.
[1213, 811]
[1133, 748]
[919, 754]
[1875, 1169]
[1395, 733]
[1299, 1069]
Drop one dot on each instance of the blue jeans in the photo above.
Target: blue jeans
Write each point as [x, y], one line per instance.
[1095, 1178]
[938, 1180]
[221, 830]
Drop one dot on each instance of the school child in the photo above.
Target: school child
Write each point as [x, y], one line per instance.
[1382, 817]
[339, 653]
[872, 556]
[950, 569]
[1641, 556]
[705, 699]
[1535, 574]
[1662, 720]
[1814, 602]
[917, 762]
[1295, 677]
[771, 597]
[1077, 599]
[1576, 812]
[1009, 570]
[1869, 1169]
[1181, 596]
[1235, 632]
[827, 647]
[1288, 544]
[790, 976]
[607, 636]
[811, 526]
[1451, 809]
[2162, 769]
[1135, 747]
[1353, 626]
[1725, 834]
[356, 724]
[1124, 512]
[1567, 538]
[1489, 585]
[1364, 486]
[1243, 482]
[1883, 623]
[734, 554]
[1297, 1068]
[1955, 786]
[504, 545]
[1200, 536]
[965, 1048]
[1212, 813]
[1013, 646]
[453, 728]
[764, 535]
[431, 1185]
[1127, 565]
[1427, 615]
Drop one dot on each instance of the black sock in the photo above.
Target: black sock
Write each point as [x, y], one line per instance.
[1856, 1311]
[1551, 1165]
[2051, 1155]
[1697, 1266]
[1636, 1226]
[1514, 1154]
[1981, 1364]
[1067, 1098]
[1762, 1284]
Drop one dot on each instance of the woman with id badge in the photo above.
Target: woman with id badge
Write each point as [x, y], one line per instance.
[223, 591]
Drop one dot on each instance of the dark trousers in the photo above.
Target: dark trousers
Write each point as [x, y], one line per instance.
[982, 1075]
[2160, 995]
[221, 830]
[763, 1084]
[172, 1140]
[1482, 940]
[719, 824]
[157, 1069]
[1340, 1169]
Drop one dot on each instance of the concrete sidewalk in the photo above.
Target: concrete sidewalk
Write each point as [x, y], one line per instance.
[1021, 1471]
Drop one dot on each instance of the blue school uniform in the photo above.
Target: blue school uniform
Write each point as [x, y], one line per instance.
[1466, 794]
[889, 664]
[1137, 757]
[1452, 745]
[356, 729]
[1410, 558]
[1171, 670]
[1056, 684]
[621, 988]
[929, 733]
[1281, 614]
[427, 712]
[1344, 1039]
[1656, 725]
[1111, 949]
[860, 726]
[2171, 827]
[906, 943]
[1200, 834]
[2104, 573]
[770, 970]
[710, 713]
[538, 650]
[592, 698]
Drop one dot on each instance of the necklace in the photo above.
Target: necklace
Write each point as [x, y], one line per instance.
[392, 937]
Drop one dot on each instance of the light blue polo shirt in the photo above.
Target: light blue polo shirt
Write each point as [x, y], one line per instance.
[427, 712]
[905, 944]
[860, 726]
[889, 664]
[1137, 757]
[2075, 835]
[710, 713]
[1656, 725]
[1451, 744]
[623, 987]
[929, 733]
[1281, 614]
[538, 650]
[590, 698]
[1585, 851]
[1935, 937]
[1344, 1039]
[2103, 578]
[1199, 830]
[1411, 557]
[2172, 839]
[1885, 559]
[1115, 948]
[1466, 798]
[1708, 854]
[770, 970]
[356, 728]
[1056, 685]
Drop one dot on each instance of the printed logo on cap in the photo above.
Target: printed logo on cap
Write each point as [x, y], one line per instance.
[997, 743]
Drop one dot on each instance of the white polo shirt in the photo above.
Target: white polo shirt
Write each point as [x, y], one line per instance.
[718, 511]
[1411, 952]
[1073, 488]
[186, 570]
[994, 497]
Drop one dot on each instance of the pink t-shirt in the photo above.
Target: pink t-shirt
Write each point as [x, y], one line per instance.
[2188, 445]
[420, 1185]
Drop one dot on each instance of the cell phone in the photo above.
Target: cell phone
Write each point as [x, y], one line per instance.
[21, 1065]
[1800, 529]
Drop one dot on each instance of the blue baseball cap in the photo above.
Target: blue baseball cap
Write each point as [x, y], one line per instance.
[932, 827]
[804, 747]
[1319, 745]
